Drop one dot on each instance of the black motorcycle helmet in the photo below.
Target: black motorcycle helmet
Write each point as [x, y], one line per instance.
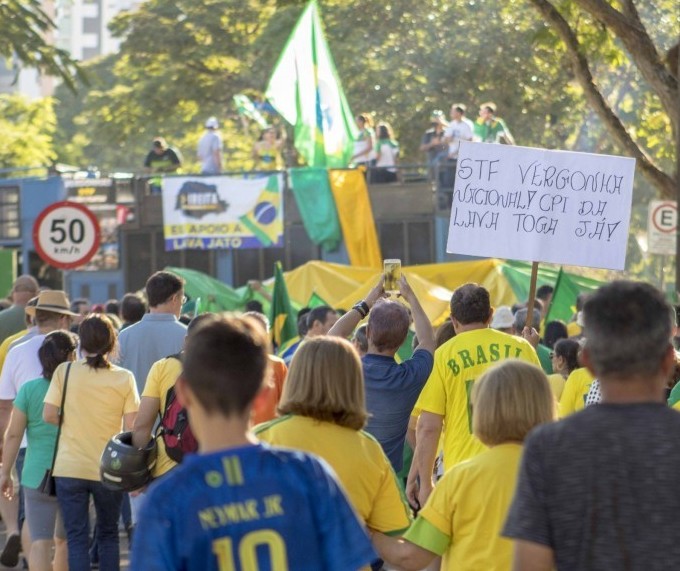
[123, 466]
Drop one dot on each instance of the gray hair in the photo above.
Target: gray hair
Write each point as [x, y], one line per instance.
[627, 328]
[521, 319]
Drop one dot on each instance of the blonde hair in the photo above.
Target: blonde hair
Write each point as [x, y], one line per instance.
[509, 400]
[325, 381]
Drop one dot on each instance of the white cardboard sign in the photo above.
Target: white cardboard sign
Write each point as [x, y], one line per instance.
[538, 205]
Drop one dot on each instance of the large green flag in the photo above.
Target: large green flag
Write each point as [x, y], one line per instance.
[563, 303]
[312, 191]
[305, 89]
[283, 322]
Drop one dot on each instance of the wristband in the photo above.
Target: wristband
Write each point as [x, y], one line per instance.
[362, 308]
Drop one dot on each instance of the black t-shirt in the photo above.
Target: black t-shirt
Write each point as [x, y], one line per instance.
[600, 488]
[162, 162]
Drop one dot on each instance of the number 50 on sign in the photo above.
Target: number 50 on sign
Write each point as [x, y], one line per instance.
[66, 235]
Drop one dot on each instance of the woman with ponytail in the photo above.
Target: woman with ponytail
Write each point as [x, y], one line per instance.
[42, 512]
[99, 397]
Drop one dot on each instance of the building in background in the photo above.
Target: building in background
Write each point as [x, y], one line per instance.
[81, 29]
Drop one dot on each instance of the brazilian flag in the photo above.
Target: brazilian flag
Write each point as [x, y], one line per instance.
[284, 326]
[265, 220]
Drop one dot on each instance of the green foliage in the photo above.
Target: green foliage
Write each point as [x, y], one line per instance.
[396, 61]
[27, 129]
[24, 26]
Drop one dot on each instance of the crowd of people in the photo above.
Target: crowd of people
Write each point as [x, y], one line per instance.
[215, 453]
[375, 150]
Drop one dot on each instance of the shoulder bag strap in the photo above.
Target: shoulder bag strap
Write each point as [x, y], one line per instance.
[61, 415]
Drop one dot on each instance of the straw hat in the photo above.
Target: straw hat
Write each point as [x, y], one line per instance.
[54, 301]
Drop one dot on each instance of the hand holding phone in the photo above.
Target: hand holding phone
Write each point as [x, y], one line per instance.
[392, 270]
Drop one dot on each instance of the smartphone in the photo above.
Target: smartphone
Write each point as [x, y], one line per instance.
[392, 269]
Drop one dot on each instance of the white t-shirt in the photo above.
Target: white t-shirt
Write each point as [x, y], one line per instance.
[21, 365]
[210, 142]
[458, 131]
[388, 155]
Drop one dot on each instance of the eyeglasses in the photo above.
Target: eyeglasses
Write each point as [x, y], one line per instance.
[552, 355]
[184, 299]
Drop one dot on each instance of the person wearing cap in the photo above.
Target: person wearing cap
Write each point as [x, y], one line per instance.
[12, 319]
[209, 150]
[51, 313]
[161, 159]
[503, 319]
[432, 142]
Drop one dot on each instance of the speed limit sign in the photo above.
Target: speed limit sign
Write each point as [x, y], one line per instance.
[66, 235]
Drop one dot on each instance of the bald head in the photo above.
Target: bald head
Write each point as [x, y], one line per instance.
[24, 288]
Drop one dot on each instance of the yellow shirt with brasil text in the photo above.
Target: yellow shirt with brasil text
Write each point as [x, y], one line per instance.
[457, 365]
[463, 517]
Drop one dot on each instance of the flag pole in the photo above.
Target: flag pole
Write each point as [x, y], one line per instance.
[532, 295]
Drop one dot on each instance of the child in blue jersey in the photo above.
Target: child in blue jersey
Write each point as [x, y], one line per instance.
[239, 505]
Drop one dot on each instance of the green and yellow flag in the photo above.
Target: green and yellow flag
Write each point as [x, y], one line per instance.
[283, 322]
[315, 300]
[246, 108]
[305, 89]
[567, 289]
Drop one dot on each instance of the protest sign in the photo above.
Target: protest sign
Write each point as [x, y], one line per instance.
[539, 205]
[220, 212]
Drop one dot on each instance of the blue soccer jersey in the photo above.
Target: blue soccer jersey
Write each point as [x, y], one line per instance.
[252, 508]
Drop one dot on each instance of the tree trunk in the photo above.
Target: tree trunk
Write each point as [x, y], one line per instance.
[664, 183]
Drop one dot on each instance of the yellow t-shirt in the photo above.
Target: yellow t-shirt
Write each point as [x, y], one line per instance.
[160, 380]
[4, 346]
[457, 364]
[95, 403]
[556, 382]
[359, 462]
[575, 391]
[463, 518]
[573, 329]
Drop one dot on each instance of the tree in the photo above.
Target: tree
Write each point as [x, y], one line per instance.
[25, 27]
[27, 128]
[395, 61]
[583, 27]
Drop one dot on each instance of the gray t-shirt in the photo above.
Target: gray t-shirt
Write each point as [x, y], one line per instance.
[600, 488]
[210, 142]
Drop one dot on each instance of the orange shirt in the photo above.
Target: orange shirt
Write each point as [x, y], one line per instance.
[264, 407]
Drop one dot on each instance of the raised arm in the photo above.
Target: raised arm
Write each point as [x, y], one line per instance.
[347, 323]
[421, 322]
